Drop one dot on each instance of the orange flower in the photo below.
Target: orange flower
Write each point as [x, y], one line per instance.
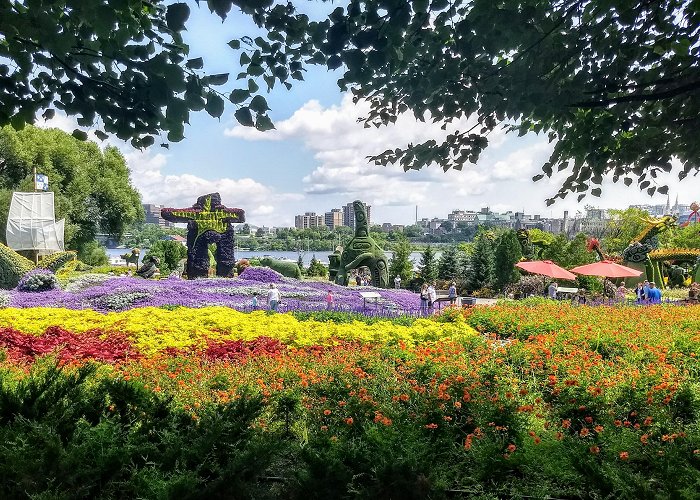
[584, 432]
[594, 449]
[624, 455]
[326, 412]
[349, 421]
[566, 423]
[598, 428]
[431, 426]
[644, 438]
[511, 448]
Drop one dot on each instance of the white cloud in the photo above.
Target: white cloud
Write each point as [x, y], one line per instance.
[149, 175]
[502, 179]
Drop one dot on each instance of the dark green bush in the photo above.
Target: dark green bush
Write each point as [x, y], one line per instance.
[81, 435]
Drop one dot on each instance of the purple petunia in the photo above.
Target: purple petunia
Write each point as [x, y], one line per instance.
[120, 293]
[261, 274]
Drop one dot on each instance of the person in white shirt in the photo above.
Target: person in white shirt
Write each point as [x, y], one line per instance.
[273, 297]
[553, 290]
[397, 281]
[432, 296]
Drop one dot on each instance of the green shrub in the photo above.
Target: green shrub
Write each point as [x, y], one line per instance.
[316, 268]
[169, 253]
[79, 434]
[93, 254]
[288, 269]
[12, 267]
[56, 261]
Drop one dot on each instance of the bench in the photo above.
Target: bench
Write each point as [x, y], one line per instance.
[443, 296]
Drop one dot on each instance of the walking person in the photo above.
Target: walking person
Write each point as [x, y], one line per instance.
[273, 297]
[639, 292]
[552, 290]
[452, 293]
[329, 300]
[397, 281]
[254, 302]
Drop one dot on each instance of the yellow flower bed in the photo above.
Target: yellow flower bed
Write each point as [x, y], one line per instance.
[153, 329]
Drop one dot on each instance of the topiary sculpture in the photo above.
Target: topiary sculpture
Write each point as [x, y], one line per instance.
[363, 251]
[288, 269]
[13, 266]
[208, 221]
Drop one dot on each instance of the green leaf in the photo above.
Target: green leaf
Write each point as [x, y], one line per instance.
[252, 86]
[101, 135]
[239, 95]
[258, 104]
[244, 117]
[147, 141]
[219, 79]
[215, 105]
[263, 123]
[176, 15]
[79, 134]
[595, 192]
[49, 113]
[197, 63]
[235, 44]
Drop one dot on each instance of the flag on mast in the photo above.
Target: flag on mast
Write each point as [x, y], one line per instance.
[41, 182]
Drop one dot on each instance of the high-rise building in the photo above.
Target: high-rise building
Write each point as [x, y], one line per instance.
[334, 218]
[471, 218]
[308, 220]
[349, 215]
[153, 215]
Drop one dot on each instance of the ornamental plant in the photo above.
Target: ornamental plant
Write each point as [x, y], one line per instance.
[262, 274]
[38, 280]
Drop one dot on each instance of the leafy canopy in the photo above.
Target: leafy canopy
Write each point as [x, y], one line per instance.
[614, 83]
[92, 189]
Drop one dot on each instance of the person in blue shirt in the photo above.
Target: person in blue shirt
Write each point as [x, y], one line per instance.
[452, 293]
[645, 291]
[654, 294]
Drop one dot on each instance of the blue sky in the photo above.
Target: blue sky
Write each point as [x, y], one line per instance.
[316, 158]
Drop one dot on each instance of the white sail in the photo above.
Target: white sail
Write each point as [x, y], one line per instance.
[31, 223]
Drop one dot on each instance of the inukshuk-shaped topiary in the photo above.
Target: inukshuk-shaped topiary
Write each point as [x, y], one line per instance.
[208, 221]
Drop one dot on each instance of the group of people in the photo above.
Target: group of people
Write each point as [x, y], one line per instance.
[647, 293]
[428, 296]
[274, 297]
[362, 279]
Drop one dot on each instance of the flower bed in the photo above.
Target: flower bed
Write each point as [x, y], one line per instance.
[122, 293]
[550, 401]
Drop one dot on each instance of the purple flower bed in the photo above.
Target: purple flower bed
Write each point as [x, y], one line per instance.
[262, 274]
[121, 293]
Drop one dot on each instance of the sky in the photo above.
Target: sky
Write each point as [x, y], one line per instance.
[316, 158]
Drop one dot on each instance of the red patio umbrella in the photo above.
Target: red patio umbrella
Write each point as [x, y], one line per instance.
[607, 269]
[546, 268]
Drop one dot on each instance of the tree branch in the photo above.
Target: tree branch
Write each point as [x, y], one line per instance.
[654, 96]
